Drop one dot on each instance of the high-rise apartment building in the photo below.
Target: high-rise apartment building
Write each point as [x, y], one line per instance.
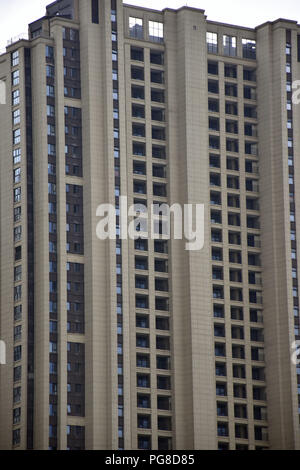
[141, 344]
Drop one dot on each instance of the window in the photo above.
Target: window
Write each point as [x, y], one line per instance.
[212, 68]
[17, 194]
[15, 78]
[17, 394]
[17, 214]
[15, 58]
[53, 347]
[50, 71]
[50, 110]
[16, 136]
[213, 86]
[214, 142]
[18, 273]
[142, 360]
[157, 95]
[212, 43]
[16, 97]
[144, 442]
[52, 227]
[229, 45]
[50, 90]
[16, 437]
[158, 133]
[221, 389]
[17, 233]
[157, 57]
[95, 11]
[53, 327]
[157, 76]
[138, 111]
[230, 70]
[214, 124]
[137, 53]
[51, 149]
[143, 381]
[223, 429]
[156, 31]
[17, 175]
[144, 421]
[137, 73]
[74, 35]
[17, 333]
[222, 409]
[249, 49]
[51, 188]
[17, 373]
[143, 401]
[163, 382]
[136, 28]
[157, 114]
[231, 108]
[139, 149]
[16, 117]
[231, 89]
[138, 92]
[49, 52]
[51, 130]
[52, 431]
[17, 353]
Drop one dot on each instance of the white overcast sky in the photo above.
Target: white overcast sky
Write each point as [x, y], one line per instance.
[16, 14]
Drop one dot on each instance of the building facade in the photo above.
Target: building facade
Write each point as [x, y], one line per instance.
[141, 344]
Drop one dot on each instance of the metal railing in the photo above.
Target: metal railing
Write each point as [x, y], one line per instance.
[17, 38]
